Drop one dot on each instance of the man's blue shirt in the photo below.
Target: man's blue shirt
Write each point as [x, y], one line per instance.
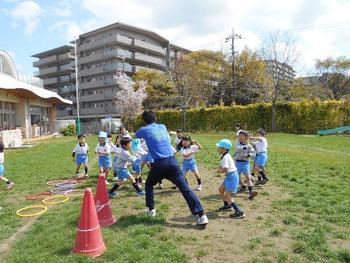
[157, 139]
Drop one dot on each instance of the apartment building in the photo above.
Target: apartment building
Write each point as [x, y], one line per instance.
[101, 54]
[280, 70]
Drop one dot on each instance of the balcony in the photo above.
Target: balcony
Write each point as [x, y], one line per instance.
[148, 46]
[97, 110]
[50, 81]
[118, 67]
[66, 90]
[96, 84]
[66, 56]
[63, 113]
[105, 41]
[91, 71]
[94, 97]
[150, 59]
[43, 61]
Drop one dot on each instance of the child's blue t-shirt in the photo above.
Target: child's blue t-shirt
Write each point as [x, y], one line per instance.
[157, 139]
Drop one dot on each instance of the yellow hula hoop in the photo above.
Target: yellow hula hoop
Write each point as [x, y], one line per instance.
[62, 197]
[74, 192]
[44, 209]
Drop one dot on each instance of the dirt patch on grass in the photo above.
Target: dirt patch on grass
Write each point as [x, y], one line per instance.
[226, 239]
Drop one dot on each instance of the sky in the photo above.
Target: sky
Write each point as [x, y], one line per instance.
[319, 28]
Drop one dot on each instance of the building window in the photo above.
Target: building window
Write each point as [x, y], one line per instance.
[7, 115]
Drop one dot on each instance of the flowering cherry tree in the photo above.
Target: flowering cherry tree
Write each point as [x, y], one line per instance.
[127, 100]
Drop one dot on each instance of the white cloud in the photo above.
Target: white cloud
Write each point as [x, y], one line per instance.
[63, 9]
[69, 29]
[29, 13]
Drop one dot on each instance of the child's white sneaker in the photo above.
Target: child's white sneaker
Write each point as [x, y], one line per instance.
[199, 188]
[203, 220]
[10, 185]
[115, 178]
[151, 213]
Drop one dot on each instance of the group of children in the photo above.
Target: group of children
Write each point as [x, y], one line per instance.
[134, 153]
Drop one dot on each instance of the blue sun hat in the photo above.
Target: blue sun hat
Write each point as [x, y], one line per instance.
[136, 145]
[224, 143]
[102, 134]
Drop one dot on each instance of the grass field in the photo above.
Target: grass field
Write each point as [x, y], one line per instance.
[302, 215]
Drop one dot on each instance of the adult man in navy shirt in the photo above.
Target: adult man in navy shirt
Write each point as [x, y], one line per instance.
[165, 166]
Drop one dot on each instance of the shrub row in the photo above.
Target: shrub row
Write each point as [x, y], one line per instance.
[292, 117]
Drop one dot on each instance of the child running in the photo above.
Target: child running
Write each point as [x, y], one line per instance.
[103, 149]
[178, 139]
[230, 184]
[189, 149]
[80, 155]
[9, 183]
[121, 166]
[139, 153]
[260, 144]
[242, 156]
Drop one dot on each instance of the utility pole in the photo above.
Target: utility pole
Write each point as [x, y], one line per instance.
[77, 121]
[233, 36]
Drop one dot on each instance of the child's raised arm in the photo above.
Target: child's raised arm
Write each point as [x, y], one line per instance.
[198, 144]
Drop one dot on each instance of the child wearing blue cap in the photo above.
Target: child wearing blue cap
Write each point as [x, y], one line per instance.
[244, 151]
[80, 155]
[9, 183]
[230, 184]
[103, 149]
[121, 166]
[139, 153]
[188, 150]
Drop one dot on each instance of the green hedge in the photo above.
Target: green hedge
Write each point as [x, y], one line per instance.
[292, 117]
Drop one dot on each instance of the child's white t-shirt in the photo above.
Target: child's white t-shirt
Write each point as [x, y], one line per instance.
[139, 153]
[227, 162]
[261, 145]
[124, 159]
[193, 149]
[116, 150]
[81, 149]
[2, 158]
[103, 150]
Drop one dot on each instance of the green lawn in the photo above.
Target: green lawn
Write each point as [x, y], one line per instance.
[312, 170]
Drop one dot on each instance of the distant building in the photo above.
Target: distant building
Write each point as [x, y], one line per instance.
[280, 70]
[101, 54]
[30, 108]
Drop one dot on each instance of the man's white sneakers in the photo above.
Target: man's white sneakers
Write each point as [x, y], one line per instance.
[151, 213]
[203, 220]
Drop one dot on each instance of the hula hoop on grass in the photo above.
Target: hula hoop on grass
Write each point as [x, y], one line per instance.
[62, 197]
[67, 185]
[42, 207]
[59, 191]
[74, 192]
[56, 182]
[39, 196]
[77, 180]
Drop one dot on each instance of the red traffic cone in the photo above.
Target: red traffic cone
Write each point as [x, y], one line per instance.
[89, 238]
[103, 209]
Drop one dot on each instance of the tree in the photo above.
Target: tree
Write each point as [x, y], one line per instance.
[181, 78]
[334, 76]
[160, 89]
[279, 49]
[128, 101]
[250, 77]
[206, 69]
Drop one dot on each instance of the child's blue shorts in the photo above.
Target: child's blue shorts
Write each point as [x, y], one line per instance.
[2, 170]
[136, 166]
[81, 159]
[147, 158]
[122, 173]
[189, 165]
[243, 167]
[104, 161]
[231, 182]
[261, 159]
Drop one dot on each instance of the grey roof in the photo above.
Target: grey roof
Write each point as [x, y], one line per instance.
[127, 27]
[54, 51]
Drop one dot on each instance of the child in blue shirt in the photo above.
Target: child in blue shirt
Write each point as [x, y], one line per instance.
[121, 166]
[9, 183]
[188, 150]
[242, 157]
[230, 184]
[80, 155]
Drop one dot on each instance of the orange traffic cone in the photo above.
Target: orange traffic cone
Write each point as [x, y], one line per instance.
[89, 238]
[104, 212]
